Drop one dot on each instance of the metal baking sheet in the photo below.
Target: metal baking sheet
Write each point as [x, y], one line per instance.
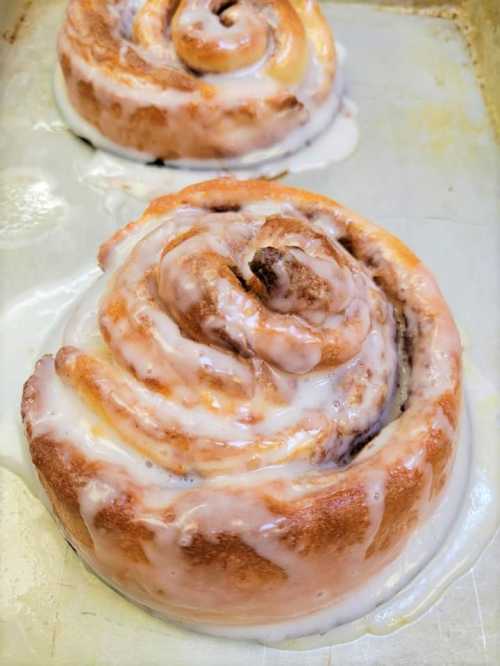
[426, 167]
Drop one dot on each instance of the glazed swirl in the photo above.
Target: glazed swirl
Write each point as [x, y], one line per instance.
[200, 79]
[240, 326]
[214, 410]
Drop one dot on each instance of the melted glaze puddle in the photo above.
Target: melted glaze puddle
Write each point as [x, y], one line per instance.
[33, 207]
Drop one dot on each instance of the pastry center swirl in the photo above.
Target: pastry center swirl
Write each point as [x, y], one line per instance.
[220, 36]
[235, 341]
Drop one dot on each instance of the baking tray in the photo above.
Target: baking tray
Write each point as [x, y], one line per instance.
[426, 167]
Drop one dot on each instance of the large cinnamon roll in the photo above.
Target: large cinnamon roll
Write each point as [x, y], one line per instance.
[253, 408]
[170, 79]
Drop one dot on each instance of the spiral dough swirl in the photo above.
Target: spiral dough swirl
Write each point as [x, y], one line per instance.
[198, 79]
[261, 388]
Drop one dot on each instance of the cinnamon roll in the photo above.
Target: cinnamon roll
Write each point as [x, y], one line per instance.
[253, 408]
[196, 79]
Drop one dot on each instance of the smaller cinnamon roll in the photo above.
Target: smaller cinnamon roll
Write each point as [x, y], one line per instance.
[196, 79]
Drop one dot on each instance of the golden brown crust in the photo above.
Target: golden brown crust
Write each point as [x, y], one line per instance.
[333, 521]
[230, 557]
[361, 514]
[402, 493]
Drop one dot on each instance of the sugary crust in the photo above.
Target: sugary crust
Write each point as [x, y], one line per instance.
[361, 514]
[140, 102]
